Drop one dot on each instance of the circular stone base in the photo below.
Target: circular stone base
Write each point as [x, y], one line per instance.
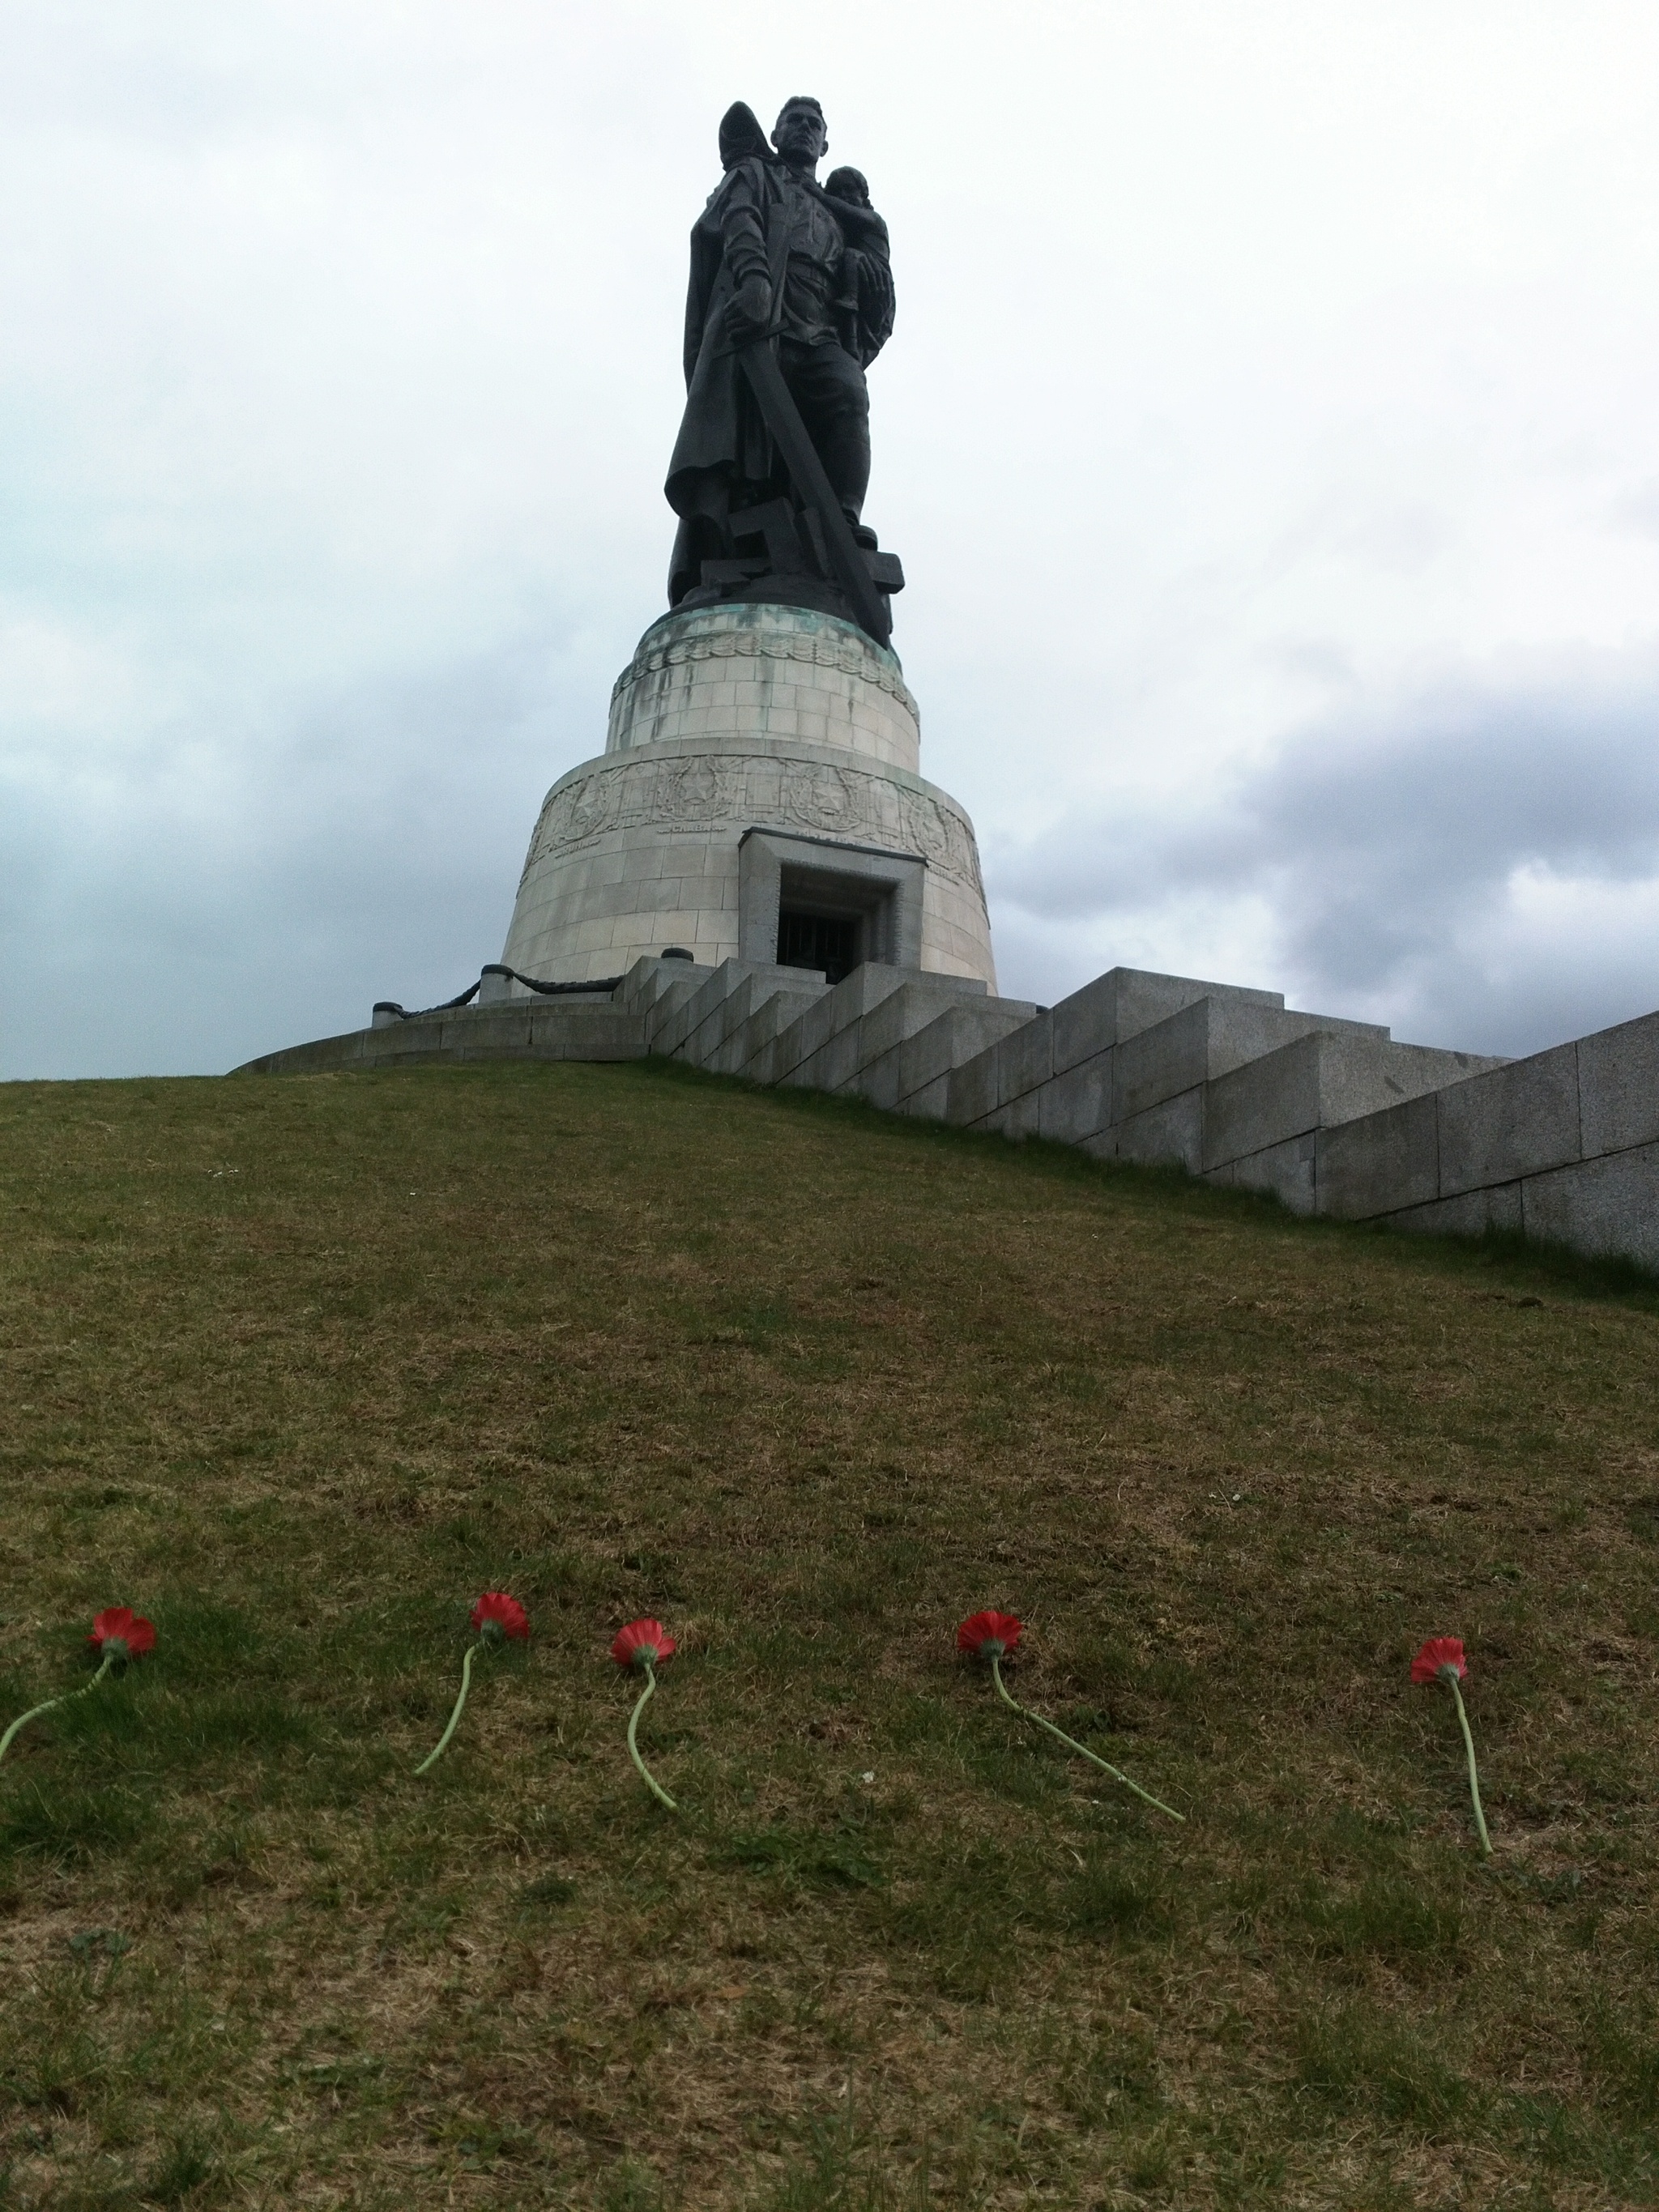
[734, 720]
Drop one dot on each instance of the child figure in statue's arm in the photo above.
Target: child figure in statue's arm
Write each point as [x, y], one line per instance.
[864, 309]
[850, 184]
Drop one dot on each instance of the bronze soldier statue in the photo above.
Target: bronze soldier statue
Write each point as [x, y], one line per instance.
[782, 263]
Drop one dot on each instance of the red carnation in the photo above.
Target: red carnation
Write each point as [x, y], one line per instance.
[118, 1632]
[1436, 1655]
[1441, 1660]
[497, 1615]
[642, 1643]
[993, 1636]
[990, 1635]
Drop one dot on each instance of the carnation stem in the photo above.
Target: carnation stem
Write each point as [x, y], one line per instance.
[35, 1711]
[646, 1775]
[466, 1684]
[1475, 1779]
[1072, 1744]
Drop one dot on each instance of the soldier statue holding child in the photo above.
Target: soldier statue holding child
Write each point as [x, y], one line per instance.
[791, 299]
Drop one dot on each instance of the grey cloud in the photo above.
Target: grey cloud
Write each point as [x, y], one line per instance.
[368, 848]
[1385, 851]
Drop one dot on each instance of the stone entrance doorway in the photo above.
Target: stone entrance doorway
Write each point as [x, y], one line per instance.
[828, 943]
[814, 902]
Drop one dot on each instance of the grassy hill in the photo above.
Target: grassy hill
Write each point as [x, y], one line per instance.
[298, 1368]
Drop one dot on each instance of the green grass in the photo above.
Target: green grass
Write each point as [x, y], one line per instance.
[299, 1367]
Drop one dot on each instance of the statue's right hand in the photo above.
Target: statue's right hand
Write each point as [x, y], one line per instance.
[749, 310]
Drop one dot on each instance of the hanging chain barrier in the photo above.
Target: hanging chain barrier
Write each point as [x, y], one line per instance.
[605, 983]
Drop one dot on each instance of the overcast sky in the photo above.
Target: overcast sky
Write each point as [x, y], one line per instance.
[1270, 433]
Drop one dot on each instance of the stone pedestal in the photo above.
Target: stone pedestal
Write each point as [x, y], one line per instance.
[757, 799]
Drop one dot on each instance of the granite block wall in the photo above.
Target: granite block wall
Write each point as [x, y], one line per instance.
[1563, 1145]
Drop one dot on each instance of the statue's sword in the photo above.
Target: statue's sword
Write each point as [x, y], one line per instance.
[782, 418]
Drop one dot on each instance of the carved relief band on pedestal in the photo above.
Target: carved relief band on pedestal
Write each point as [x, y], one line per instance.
[743, 790]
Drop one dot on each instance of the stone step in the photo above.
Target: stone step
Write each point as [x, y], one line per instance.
[1125, 1001]
[1006, 1086]
[681, 1008]
[824, 1050]
[1125, 1044]
[1208, 1040]
[682, 1011]
[928, 1060]
[666, 1019]
[678, 1032]
[713, 1044]
[648, 981]
[1317, 1081]
[746, 1045]
[893, 1065]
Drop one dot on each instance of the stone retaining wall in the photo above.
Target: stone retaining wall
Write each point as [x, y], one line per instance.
[1333, 1116]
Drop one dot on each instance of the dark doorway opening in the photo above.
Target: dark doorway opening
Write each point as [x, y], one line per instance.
[827, 942]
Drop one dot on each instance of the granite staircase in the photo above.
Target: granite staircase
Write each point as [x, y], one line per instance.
[1331, 1116]
[1225, 1082]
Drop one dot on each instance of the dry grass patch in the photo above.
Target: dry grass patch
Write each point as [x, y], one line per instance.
[298, 1367]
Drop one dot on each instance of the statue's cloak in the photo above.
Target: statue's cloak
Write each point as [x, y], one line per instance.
[721, 429]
